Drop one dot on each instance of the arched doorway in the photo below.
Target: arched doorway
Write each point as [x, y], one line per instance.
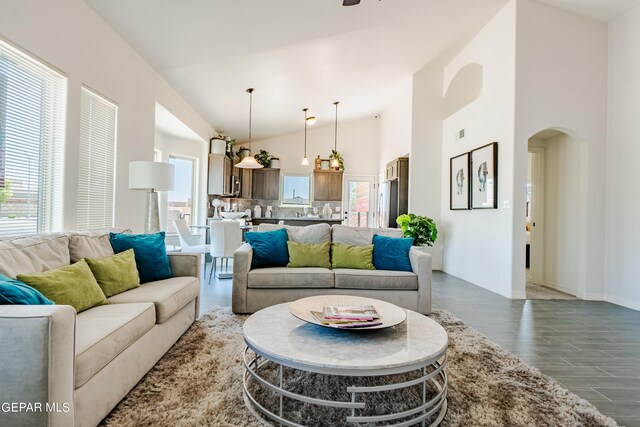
[556, 205]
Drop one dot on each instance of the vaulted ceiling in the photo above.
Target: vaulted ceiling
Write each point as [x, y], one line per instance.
[299, 53]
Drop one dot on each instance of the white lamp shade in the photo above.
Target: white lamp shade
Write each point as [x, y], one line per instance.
[144, 175]
[249, 162]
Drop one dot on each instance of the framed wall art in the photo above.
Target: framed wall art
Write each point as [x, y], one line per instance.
[459, 182]
[484, 177]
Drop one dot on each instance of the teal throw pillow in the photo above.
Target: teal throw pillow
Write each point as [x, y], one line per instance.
[269, 248]
[150, 254]
[392, 253]
[15, 292]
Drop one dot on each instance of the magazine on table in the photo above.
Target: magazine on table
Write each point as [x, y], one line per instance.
[348, 317]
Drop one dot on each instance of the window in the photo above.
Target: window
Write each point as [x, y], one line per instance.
[296, 189]
[96, 174]
[32, 126]
[180, 200]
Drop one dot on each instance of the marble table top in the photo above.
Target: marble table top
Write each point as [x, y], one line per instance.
[277, 335]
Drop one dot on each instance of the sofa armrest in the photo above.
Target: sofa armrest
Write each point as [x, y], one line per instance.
[37, 360]
[242, 258]
[421, 265]
[185, 264]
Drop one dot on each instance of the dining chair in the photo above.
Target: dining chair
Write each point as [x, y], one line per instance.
[226, 237]
[190, 243]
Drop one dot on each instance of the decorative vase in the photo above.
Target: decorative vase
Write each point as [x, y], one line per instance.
[327, 211]
[324, 165]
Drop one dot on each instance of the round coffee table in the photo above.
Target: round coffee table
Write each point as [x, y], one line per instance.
[418, 344]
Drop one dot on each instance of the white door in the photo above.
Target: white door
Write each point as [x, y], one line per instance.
[358, 200]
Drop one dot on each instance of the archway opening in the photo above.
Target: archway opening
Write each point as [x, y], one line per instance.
[554, 212]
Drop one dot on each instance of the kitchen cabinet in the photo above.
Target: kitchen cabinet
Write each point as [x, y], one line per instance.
[220, 175]
[265, 184]
[246, 183]
[327, 186]
[397, 178]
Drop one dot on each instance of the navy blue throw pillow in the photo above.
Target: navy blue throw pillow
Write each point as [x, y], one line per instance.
[269, 248]
[150, 253]
[15, 292]
[392, 253]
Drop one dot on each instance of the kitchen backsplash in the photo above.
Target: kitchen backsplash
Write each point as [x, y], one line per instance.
[278, 211]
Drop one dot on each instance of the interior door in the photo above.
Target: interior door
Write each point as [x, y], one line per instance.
[358, 200]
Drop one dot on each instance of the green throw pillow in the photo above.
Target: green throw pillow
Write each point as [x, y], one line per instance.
[350, 256]
[69, 285]
[308, 255]
[116, 273]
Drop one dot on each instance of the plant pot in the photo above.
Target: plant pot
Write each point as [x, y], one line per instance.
[243, 152]
[218, 146]
[275, 163]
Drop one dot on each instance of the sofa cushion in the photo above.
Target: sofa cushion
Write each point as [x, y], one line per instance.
[360, 236]
[375, 279]
[34, 254]
[103, 332]
[316, 234]
[309, 255]
[352, 256]
[72, 285]
[282, 277]
[116, 273]
[150, 253]
[269, 248]
[168, 295]
[392, 253]
[92, 244]
[15, 292]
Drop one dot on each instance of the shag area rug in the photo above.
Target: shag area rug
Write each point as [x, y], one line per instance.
[199, 383]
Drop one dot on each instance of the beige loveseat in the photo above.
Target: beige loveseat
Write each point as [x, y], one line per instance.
[259, 288]
[83, 364]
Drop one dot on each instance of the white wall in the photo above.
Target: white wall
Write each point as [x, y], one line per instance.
[622, 226]
[562, 83]
[561, 232]
[395, 126]
[477, 244]
[170, 145]
[425, 161]
[358, 141]
[69, 35]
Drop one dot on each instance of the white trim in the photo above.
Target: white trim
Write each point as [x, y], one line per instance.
[635, 305]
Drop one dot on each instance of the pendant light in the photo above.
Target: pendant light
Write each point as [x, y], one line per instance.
[249, 162]
[334, 162]
[305, 160]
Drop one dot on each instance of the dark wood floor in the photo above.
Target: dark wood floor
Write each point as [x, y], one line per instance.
[593, 348]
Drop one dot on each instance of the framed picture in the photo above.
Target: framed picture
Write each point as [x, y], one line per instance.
[484, 177]
[459, 183]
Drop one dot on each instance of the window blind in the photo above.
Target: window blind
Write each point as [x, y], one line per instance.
[96, 175]
[32, 133]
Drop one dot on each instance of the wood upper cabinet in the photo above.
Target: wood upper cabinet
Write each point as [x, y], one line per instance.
[246, 189]
[219, 182]
[265, 184]
[327, 186]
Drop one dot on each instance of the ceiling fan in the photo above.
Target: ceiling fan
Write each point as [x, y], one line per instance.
[350, 2]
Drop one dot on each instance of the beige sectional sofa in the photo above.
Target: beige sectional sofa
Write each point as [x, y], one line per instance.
[259, 288]
[84, 364]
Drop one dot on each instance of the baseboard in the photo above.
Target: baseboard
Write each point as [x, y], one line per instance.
[471, 280]
[562, 289]
[518, 295]
[635, 305]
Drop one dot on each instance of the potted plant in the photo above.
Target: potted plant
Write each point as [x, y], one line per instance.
[338, 156]
[264, 158]
[422, 229]
[243, 152]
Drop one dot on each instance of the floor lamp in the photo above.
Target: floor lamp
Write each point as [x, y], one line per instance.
[151, 177]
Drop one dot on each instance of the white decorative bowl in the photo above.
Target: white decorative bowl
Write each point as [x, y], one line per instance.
[390, 315]
[232, 215]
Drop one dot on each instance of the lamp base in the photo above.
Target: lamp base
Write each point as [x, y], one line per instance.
[152, 213]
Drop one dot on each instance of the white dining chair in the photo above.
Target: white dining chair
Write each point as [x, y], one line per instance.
[190, 243]
[226, 237]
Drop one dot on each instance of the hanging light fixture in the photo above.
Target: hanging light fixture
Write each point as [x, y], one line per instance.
[334, 162]
[305, 160]
[311, 120]
[249, 162]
